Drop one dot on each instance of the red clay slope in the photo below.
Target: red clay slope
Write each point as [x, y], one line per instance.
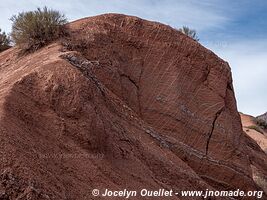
[135, 104]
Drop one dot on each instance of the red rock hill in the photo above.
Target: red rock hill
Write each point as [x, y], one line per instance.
[134, 104]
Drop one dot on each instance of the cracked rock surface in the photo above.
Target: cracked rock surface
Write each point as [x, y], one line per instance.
[124, 103]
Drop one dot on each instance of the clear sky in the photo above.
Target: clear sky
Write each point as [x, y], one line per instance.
[234, 30]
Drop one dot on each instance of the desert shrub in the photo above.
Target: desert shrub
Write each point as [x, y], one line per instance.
[189, 32]
[261, 181]
[35, 29]
[4, 41]
[256, 128]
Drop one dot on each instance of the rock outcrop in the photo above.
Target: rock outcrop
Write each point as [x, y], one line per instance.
[263, 117]
[122, 103]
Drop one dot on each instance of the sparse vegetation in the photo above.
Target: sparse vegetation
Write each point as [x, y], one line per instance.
[35, 29]
[260, 179]
[189, 32]
[4, 41]
[256, 128]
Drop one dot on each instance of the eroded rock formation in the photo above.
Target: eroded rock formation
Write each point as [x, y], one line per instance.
[123, 103]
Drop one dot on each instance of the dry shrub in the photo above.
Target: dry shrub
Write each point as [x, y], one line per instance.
[35, 29]
[4, 41]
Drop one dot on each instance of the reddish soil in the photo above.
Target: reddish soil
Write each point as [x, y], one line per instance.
[134, 104]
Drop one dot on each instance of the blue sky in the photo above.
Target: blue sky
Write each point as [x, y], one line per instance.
[234, 30]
